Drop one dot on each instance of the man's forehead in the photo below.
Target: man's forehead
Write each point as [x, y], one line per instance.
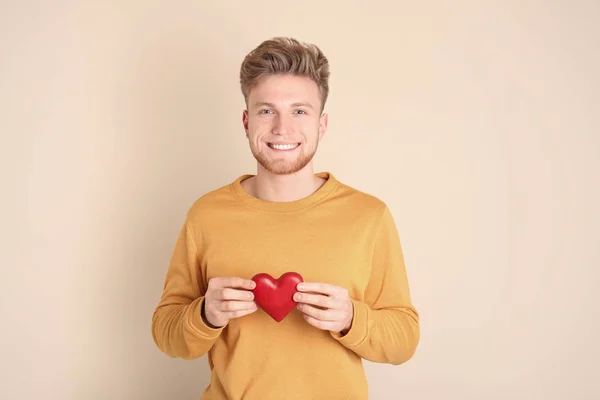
[285, 88]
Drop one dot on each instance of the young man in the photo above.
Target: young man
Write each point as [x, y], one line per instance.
[354, 303]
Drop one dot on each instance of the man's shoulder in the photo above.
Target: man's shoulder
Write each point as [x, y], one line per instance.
[360, 199]
[211, 202]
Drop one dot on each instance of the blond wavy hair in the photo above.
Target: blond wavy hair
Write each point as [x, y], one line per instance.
[283, 56]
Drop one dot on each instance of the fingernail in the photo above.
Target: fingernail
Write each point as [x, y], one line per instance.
[300, 286]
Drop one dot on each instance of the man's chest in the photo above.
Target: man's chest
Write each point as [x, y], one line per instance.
[334, 252]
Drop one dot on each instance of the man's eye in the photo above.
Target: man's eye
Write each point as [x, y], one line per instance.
[265, 111]
[301, 111]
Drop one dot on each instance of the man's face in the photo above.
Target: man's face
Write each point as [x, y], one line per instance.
[283, 123]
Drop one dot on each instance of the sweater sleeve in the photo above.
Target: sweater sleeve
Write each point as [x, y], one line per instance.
[177, 325]
[385, 327]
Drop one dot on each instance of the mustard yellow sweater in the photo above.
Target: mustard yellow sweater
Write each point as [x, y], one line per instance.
[337, 235]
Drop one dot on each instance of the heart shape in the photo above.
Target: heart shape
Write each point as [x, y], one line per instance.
[276, 296]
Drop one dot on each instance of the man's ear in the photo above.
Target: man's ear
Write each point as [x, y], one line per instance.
[323, 120]
[245, 121]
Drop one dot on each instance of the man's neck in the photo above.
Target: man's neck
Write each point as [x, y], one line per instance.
[283, 188]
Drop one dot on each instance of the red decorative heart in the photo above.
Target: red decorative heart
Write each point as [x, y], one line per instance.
[276, 296]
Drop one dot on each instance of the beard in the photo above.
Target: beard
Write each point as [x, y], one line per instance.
[284, 165]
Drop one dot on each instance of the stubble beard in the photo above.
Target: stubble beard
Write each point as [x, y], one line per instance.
[284, 166]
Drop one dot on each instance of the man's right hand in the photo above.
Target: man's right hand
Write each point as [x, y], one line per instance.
[228, 298]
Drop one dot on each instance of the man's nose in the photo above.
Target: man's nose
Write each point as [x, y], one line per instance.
[283, 125]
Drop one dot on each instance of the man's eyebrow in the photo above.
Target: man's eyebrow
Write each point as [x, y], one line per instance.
[262, 103]
[300, 104]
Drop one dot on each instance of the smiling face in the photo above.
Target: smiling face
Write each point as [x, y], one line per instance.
[283, 123]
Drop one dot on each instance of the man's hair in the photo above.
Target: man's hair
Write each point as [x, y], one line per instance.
[285, 56]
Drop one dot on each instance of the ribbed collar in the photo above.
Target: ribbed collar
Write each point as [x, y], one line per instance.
[275, 206]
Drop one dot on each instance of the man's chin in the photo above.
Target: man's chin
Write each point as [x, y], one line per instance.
[284, 168]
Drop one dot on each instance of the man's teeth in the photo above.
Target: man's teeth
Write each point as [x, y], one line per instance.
[284, 146]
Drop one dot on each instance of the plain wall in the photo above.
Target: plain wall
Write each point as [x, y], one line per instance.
[477, 122]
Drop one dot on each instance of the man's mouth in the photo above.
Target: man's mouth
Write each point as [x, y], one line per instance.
[283, 146]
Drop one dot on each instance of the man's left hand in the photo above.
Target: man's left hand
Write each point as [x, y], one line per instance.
[325, 306]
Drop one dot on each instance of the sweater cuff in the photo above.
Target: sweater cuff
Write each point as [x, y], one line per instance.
[359, 328]
[197, 324]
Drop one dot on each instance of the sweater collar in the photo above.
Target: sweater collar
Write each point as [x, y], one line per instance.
[316, 197]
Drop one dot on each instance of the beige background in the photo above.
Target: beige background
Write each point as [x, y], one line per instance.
[476, 121]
